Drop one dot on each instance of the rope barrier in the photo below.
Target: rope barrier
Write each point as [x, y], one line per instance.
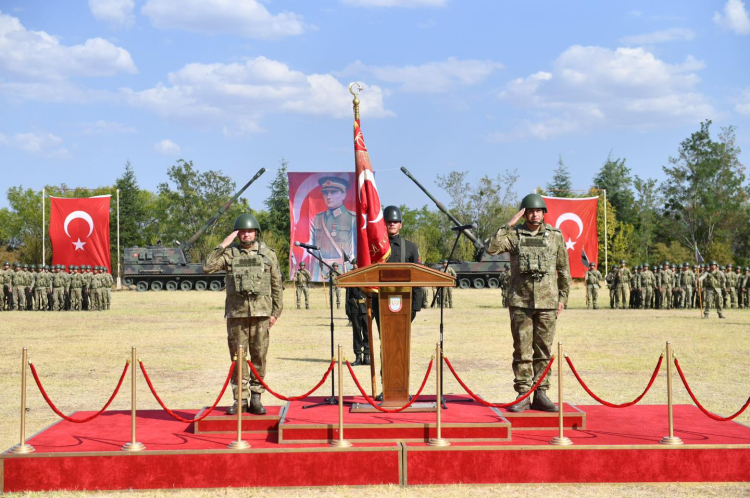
[293, 398]
[70, 419]
[697, 403]
[173, 414]
[607, 403]
[499, 405]
[385, 410]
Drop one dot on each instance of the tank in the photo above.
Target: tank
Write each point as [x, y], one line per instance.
[486, 269]
[160, 267]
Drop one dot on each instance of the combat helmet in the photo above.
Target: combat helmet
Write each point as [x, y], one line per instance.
[507, 266]
[302, 264]
[247, 222]
[392, 213]
[534, 201]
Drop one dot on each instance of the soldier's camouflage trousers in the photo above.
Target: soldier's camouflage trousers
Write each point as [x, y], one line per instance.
[58, 299]
[337, 293]
[622, 296]
[733, 297]
[687, 300]
[712, 297]
[448, 294]
[592, 291]
[40, 299]
[301, 289]
[252, 333]
[107, 298]
[533, 333]
[7, 298]
[76, 299]
[19, 298]
[648, 294]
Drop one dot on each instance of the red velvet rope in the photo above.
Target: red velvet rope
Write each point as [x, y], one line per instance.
[173, 414]
[499, 405]
[697, 403]
[384, 410]
[294, 398]
[607, 403]
[70, 419]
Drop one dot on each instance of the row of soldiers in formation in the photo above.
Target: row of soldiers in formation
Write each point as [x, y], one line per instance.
[55, 288]
[669, 286]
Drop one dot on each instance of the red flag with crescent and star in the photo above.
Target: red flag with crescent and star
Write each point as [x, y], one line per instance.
[79, 231]
[576, 219]
[372, 237]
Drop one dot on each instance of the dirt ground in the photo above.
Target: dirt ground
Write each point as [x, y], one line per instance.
[181, 337]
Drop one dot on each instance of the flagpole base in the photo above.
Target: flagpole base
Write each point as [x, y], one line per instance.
[561, 441]
[671, 440]
[134, 447]
[238, 445]
[22, 449]
[438, 441]
[341, 443]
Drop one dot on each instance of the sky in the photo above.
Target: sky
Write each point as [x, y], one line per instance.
[448, 85]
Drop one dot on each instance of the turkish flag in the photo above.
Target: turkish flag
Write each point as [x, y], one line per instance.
[79, 230]
[576, 218]
[372, 237]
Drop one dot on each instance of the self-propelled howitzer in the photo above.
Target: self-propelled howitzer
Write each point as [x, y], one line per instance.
[159, 267]
[485, 270]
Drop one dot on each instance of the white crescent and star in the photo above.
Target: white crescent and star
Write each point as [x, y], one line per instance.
[368, 176]
[83, 215]
[570, 245]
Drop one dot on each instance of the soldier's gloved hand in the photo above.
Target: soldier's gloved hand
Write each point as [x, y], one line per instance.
[230, 238]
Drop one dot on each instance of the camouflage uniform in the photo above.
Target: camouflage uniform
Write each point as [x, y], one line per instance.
[592, 279]
[539, 281]
[336, 289]
[687, 282]
[76, 291]
[622, 295]
[713, 282]
[731, 287]
[504, 284]
[745, 291]
[647, 286]
[107, 288]
[248, 315]
[302, 284]
[667, 282]
[5, 293]
[612, 279]
[41, 288]
[448, 292]
[18, 283]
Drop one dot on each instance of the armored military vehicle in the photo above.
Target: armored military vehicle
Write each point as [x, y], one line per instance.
[159, 267]
[486, 269]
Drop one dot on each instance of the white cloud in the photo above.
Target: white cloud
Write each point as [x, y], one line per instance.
[118, 14]
[101, 127]
[396, 3]
[660, 36]
[431, 77]
[39, 55]
[167, 147]
[735, 17]
[592, 87]
[238, 95]
[248, 18]
[38, 144]
[742, 105]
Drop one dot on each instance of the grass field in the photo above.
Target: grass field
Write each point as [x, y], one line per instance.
[181, 337]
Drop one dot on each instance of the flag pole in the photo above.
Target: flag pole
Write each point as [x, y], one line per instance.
[119, 280]
[44, 242]
[606, 236]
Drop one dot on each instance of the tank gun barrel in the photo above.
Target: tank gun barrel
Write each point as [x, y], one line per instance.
[223, 209]
[478, 244]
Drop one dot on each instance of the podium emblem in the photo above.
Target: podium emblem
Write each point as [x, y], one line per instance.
[394, 304]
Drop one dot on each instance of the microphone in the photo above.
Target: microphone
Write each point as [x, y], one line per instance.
[473, 226]
[307, 246]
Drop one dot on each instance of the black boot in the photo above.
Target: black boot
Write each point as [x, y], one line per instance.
[521, 405]
[256, 407]
[232, 410]
[379, 397]
[366, 361]
[359, 361]
[542, 402]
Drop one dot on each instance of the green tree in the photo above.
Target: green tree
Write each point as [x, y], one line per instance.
[704, 192]
[561, 185]
[646, 216]
[614, 177]
[132, 209]
[277, 221]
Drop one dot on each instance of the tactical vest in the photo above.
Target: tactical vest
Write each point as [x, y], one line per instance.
[535, 254]
[249, 276]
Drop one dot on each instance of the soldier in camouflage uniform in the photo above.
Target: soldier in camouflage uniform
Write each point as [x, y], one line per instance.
[87, 297]
[623, 286]
[731, 286]
[254, 302]
[745, 290]
[108, 283]
[635, 288]
[41, 284]
[18, 286]
[336, 289]
[592, 279]
[612, 279]
[302, 285]
[713, 282]
[5, 294]
[448, 292]
[738, 278]
[539, 287]
[76, 289]
[505, 284]
[648, 281]
[58, 289]
[687, 285]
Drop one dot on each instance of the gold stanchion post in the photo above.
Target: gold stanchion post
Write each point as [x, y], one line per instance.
[133, 445]
[341, 442]
[22, 447]
[671, 439]
[561, 439]
[438, 440]
[239, 444]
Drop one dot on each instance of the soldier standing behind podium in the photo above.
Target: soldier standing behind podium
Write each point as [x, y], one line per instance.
[539, 286]
[356, 311]
[254, 302]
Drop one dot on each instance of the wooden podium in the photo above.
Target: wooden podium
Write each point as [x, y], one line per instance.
[395, 282]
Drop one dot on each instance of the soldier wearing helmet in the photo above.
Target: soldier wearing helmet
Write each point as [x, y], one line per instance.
[254, 302]
[19, 287]
[5, 293]
[505, 283]
[302, 279]
[687, 285]
[334, 229]
[713, 283]
[592, 279]
[539, 287]
[335, 290]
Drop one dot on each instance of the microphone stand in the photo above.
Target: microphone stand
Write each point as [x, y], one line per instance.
[333, 400]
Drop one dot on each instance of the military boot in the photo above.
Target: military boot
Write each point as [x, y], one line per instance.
[366, 360]
[232, 410]
[521, 405]
[256, 407]
[359, 361]
[542, 402]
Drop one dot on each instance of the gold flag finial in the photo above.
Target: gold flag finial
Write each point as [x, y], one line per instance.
[356, 100]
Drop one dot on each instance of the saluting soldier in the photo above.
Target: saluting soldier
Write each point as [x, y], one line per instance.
[592, 279]
[713, 282]
[334, 229]
[302, 279]
[255, 300]
[539, 287]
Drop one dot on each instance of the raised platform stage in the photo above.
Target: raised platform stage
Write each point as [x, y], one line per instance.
[289, 448]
